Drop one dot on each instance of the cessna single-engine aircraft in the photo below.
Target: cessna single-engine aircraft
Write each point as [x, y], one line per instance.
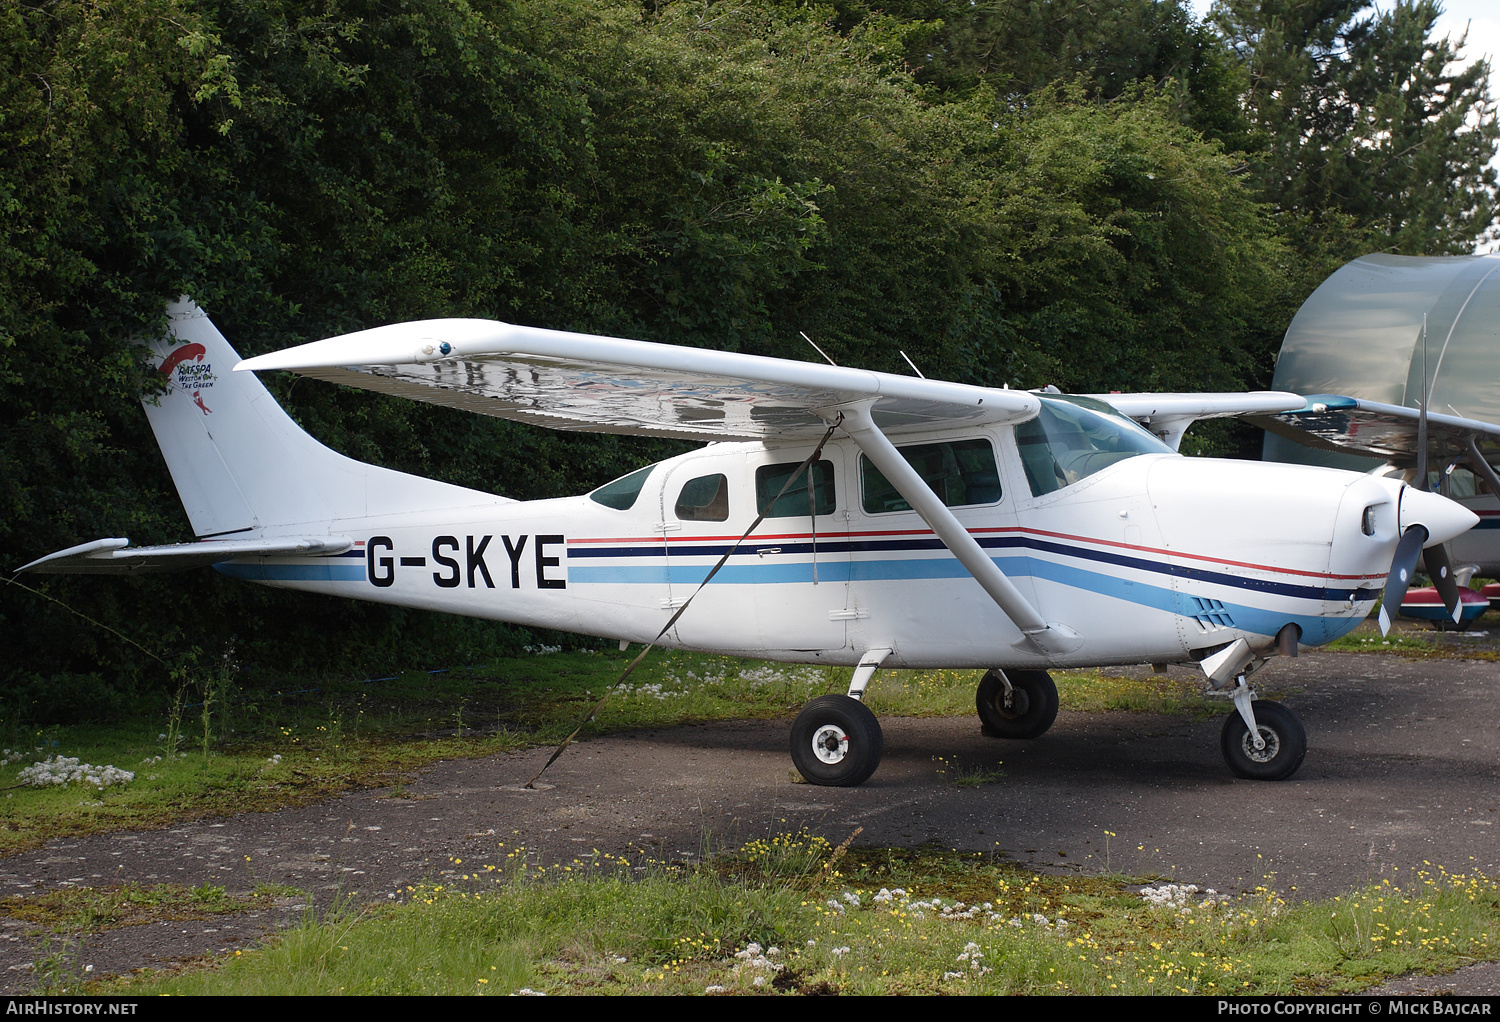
[939, 525]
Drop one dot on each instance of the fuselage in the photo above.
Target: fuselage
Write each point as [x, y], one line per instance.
[1151, 558]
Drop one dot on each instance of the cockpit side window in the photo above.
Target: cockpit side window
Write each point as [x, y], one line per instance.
[769, 480]
[960, 472]
[621, 493]
[1072, 437]
[704, 499]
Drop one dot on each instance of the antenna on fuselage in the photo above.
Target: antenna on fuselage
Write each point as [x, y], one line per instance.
[820, 351]
[911, 363]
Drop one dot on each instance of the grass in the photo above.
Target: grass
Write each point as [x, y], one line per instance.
[1363, 641]
[284, 745]
[963, 776]
[789, 915]
[71, 910]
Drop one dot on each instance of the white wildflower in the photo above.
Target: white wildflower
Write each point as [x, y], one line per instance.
[61, 770]
[1169, 895]
[753, 958]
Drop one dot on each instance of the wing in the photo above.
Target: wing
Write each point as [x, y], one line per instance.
[612, 385]
[1333, 422]
[1169, 415]
[118, 557]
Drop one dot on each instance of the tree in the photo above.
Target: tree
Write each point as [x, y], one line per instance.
[1364, 132]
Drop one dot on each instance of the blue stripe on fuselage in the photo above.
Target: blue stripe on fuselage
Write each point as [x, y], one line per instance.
[922, 567]
[314, 572]
[1315, 629]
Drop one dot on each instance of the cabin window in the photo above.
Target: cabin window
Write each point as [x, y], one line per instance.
[705, 499]
[1073, 437]
[621, 493]
[769, 480]
[960, 472]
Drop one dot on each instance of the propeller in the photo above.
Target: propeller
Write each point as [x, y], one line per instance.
[1436, 560]
[1402, 566]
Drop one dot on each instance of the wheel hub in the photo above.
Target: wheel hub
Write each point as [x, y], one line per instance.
[1014, 704]
[1265, 754]
[830, 744]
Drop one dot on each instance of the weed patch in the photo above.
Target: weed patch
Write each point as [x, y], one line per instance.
[773, 918]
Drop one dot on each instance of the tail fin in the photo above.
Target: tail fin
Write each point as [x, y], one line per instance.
[241, 464]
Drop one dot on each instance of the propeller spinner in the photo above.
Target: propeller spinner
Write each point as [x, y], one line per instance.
[1427, 521]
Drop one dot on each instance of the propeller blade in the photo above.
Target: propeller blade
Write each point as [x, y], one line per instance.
[1421, 481]
[1402, 566]
[1437, 563]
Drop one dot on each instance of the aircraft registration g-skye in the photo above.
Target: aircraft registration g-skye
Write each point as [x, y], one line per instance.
[940, 525]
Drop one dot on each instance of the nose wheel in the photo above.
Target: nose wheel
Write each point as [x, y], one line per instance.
[836, 741]
[1282, 744]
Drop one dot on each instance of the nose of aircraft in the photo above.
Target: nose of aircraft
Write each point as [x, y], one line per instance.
[1442, 518]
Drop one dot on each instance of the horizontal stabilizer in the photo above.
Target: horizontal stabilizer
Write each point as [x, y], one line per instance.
[118, 557]
[614, 385]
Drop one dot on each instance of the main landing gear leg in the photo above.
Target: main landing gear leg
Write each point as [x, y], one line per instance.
[1261, 740]
[836, 740]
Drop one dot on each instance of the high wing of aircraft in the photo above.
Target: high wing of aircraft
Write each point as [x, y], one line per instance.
[852, 518]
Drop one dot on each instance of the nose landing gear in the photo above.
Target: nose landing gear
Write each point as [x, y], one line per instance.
[1279, 752]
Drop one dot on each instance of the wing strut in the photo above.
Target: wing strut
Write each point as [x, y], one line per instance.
[1039, 635]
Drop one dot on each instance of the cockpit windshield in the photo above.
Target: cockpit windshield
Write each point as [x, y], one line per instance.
[1074, 437]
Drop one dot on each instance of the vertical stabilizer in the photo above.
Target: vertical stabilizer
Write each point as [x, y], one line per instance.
[241, 464]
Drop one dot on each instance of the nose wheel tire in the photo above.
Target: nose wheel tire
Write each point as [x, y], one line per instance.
[1027, 713]
[1281, 755]
[836, 741]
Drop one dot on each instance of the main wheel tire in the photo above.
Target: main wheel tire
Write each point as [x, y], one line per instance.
[1032, 708]
[836, 741]
[1286, 743]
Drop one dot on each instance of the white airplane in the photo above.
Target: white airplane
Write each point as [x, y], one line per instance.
[942, 525]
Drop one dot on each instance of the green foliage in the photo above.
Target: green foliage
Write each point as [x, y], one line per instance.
[1364, 131]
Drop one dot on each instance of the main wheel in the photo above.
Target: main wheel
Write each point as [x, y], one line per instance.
[836, 741]
[1286, 743]
[1030, 711]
